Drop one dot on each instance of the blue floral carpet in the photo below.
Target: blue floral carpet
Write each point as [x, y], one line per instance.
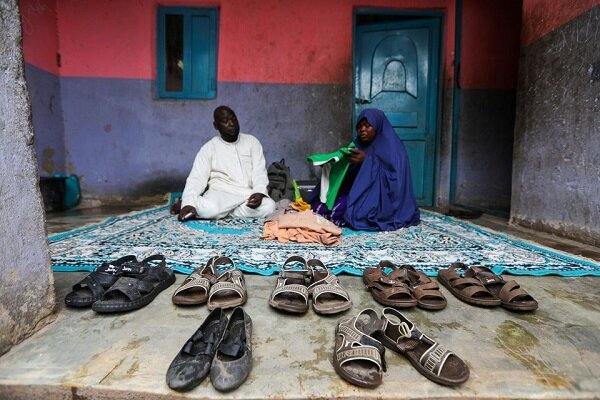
[438, 241]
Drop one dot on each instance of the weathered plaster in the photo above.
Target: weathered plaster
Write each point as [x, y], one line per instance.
[556, 170]
[26, 280]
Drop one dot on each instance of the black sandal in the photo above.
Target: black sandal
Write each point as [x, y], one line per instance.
[91, 288]
[131, 293]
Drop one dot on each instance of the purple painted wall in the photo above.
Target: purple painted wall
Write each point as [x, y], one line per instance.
[146, 147]
[47, 116]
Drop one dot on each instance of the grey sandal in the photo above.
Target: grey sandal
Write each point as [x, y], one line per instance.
[194, 289]
[291, 291]
[358, 357]
[230, 288]
[328, 296]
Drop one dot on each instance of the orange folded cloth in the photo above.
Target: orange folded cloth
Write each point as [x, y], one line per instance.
[302, 227]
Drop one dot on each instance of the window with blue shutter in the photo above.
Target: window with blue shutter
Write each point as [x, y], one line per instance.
[187, 53]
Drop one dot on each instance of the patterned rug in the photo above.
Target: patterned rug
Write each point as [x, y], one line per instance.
[438, 241]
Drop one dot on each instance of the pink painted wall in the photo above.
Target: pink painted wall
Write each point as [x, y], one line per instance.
[40, 38]
[271, 41]
[490, 44]
[542, 16]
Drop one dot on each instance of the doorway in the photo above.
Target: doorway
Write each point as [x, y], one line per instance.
[396, 69]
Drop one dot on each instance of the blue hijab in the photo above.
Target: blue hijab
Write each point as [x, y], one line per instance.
[382, 197]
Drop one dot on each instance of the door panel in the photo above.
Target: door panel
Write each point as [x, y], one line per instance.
[396, 70]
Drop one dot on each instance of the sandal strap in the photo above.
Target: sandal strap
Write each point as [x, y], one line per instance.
[388, 291]
[329, 288]
[229, 280]
[511, 291]
[293, 288]
[132, 288]
[194, 280]
[435, 357]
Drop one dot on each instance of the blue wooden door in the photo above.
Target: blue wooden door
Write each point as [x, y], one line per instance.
[396, 68]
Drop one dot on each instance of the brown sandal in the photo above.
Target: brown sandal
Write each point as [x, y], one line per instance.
[194, 289]
[291, 291]
[465, 287]
[230, 288]
[432, 360]
[390, 290]
[426, 291]
[358, 357]
[328, 296]
[511, 295]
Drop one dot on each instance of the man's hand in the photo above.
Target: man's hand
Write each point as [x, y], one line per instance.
[186, 213]
[255, 200]
[357, 155]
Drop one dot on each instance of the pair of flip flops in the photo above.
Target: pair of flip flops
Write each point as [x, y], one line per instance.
[220, 347]
[299, 280]
[219, 283]
[403, 287]
[359, 354]
[125, 284]
[480, 286]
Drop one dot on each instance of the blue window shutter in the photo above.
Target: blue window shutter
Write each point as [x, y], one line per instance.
[199, 53]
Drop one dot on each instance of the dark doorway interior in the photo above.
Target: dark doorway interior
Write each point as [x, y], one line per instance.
[486, 92]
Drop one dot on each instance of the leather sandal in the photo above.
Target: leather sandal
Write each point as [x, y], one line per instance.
[192, 364]
[328, 296]
[510, 293]
[194, 289]
[91, 288]
[431, 359]
[389, 290]
[132, 293]
[358, 357]
[465, 287]
[426, 291]
[291, 292]
[230, 288]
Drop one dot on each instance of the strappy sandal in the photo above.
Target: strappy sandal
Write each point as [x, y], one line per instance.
[510, 293]
[432, 360]
[129, 293]
[291, 292]
[426, 291]
[194, 289]
[389, 290]
[91, 288]
[328, 296]
[465, 287]
[230, 288]
[358, 357]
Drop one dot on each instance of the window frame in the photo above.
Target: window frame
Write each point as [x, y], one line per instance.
[211, 75]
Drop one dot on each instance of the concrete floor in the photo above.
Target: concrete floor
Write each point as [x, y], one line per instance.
[553, 353]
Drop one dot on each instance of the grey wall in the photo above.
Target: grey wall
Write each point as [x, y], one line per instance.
[26, 281]
[44, 94]
[556, 170]
[484, 149]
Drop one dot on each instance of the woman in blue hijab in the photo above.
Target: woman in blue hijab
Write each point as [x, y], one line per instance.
[377, 192]
[381, 197]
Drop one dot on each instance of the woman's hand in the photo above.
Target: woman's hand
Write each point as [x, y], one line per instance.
[357, 155]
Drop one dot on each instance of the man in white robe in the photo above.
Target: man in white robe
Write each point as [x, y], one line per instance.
[229, 176]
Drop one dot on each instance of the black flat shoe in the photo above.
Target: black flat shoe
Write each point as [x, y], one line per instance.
[192, 363]
[233, 360]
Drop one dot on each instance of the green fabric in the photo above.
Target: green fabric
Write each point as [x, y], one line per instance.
[337, 173]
